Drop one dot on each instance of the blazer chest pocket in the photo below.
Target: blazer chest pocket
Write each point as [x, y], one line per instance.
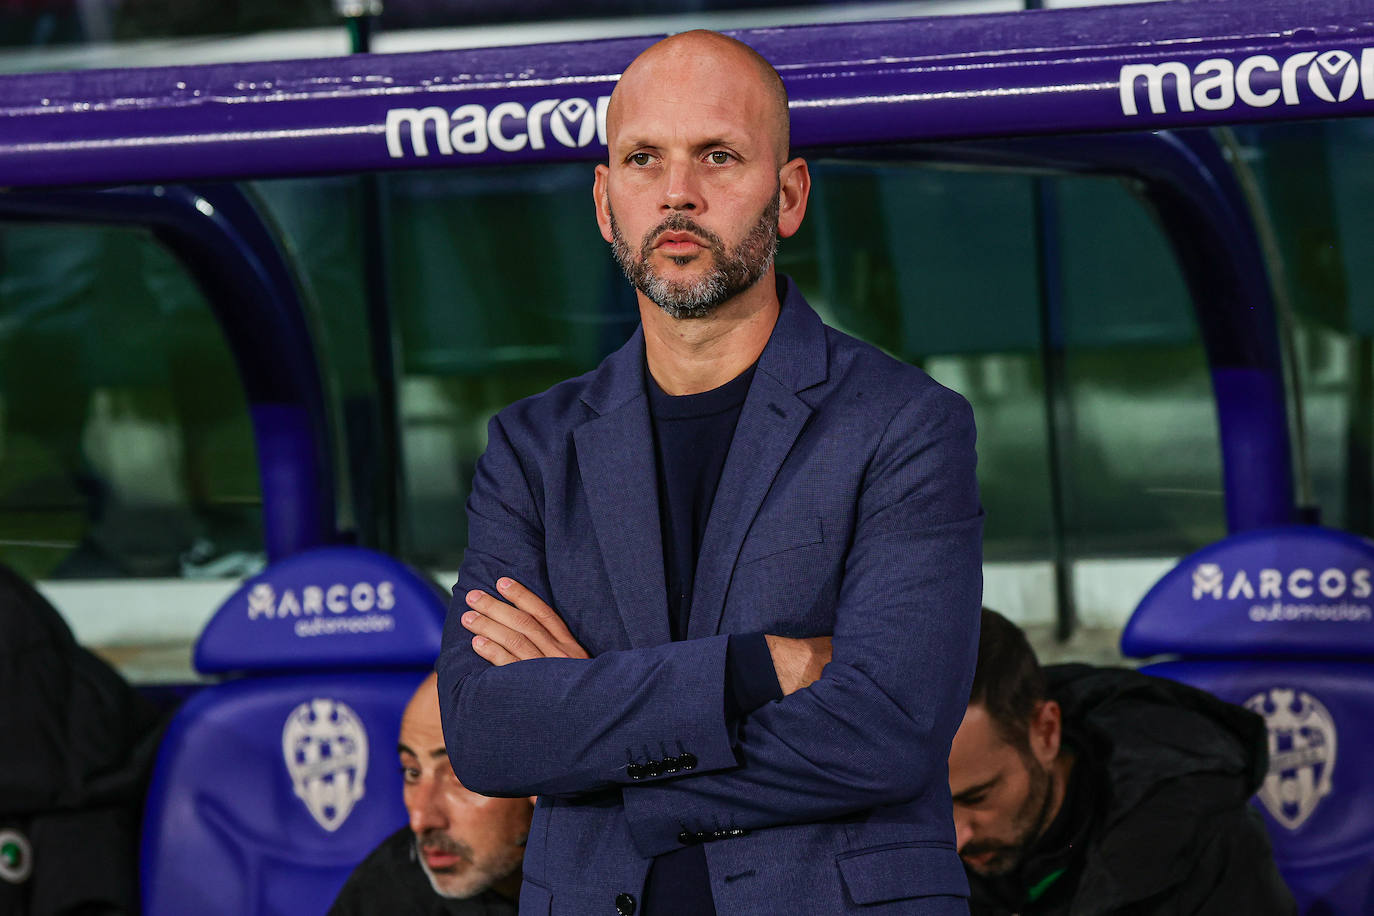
[902, 871]
[780, 536]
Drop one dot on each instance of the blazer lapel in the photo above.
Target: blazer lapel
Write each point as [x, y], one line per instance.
[773, 416]
[769, 424]
[616, 460]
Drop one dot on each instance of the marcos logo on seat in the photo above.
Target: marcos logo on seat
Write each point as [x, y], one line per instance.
[1217, 84]
[508, 127]
[265, 602]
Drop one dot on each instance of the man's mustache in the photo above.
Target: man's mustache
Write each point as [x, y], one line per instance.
[435, 840]
[679, 222]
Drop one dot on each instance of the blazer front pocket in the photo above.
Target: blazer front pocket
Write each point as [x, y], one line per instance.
[902, 871]
[779, 536]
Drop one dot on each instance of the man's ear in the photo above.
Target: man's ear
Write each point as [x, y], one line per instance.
[1046, 729]
[794, 189]
[601, 198]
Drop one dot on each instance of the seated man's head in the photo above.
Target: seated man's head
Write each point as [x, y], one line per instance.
[466, 842]
[1004, 769]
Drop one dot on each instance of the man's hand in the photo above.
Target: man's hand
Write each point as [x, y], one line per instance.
[798, 662]
[517, 628]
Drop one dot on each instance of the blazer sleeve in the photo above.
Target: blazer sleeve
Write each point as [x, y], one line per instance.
[564, 726]
[875, 728]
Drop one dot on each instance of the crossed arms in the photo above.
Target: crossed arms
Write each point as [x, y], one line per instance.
[527, 628]
[872, 728]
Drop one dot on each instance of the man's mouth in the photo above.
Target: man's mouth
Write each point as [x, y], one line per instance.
[438, 859]
[679, 243]
[994, 861]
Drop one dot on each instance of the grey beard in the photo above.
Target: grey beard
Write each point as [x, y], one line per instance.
[732, 272]
[479, 877]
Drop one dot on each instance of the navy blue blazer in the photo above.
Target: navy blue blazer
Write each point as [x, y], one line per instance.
[847, 507]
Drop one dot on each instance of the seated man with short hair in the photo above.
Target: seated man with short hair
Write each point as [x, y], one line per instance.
[461, 853]
[1102, 790]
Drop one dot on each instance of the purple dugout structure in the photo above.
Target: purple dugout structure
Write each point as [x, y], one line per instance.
[1146, 67]
[1057, 72]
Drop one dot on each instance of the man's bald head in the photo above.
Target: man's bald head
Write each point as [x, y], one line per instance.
[728, 58]
[423, 709]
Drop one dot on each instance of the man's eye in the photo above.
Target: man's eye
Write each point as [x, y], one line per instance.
[974, 800]
[640, 159]
[409, 775]
[719, 157]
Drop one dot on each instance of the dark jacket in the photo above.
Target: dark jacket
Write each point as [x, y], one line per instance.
[76, 746]
[848, 505]
[391, 881]
[1155, 819]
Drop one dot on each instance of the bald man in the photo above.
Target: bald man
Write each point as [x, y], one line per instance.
[459, 856]
[719, 605]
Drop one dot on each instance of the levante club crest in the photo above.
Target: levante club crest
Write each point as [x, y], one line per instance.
[325, 747]
[1302, 753]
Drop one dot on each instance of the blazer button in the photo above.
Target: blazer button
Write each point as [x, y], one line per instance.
[702, 836]
[653, 768]
[670, 766]
[635, 771]
[719, 834]
[686, 838]
[687, 760]
[737, 831]
[625, 905]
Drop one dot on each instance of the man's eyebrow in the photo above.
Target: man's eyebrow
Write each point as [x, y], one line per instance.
[402, 748]
[979, 789]
[718, 140]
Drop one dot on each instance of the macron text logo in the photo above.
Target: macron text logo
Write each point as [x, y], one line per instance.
[1217, 84]
[508, 127]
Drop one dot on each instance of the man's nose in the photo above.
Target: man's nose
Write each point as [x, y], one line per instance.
[963, 831]
[681, 191]
[425, 811]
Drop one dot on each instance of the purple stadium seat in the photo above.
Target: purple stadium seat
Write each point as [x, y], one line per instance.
[1282, 621]
[271, 785]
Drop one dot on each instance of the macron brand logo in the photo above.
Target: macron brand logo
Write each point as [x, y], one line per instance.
[508, 127]
[1217, 84]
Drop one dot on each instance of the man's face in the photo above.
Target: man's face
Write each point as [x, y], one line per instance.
[728, 271]
[1002, 795]
[466, 842]
[690, 199]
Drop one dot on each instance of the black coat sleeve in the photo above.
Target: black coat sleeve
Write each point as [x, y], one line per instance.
[1235, 873]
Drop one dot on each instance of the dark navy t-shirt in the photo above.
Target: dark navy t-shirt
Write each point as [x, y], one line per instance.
[692, 435]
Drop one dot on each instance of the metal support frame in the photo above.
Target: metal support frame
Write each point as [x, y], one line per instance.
[215, 232]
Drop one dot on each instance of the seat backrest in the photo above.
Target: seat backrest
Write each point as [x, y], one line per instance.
[1296, 592]
[273, 784]
[1282, 621]
[1318, 797]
